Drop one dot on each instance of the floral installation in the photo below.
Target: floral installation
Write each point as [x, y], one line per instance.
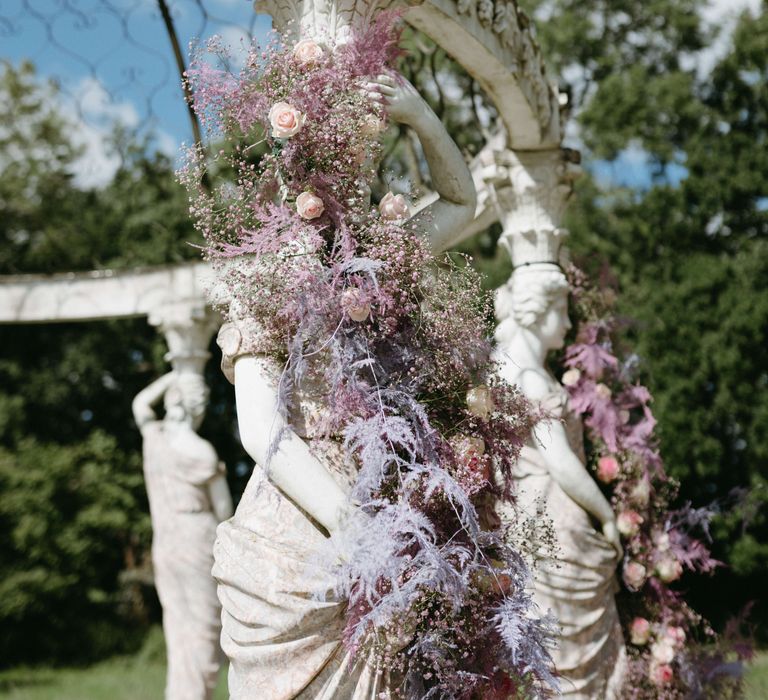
[348, 294]
[673, 651]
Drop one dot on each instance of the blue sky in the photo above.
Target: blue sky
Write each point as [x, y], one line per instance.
[113, 61]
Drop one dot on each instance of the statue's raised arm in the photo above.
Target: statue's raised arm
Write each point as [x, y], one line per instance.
[446, 219]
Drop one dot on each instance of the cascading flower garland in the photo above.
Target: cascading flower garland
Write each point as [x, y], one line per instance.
[348, 296]
[674, 653]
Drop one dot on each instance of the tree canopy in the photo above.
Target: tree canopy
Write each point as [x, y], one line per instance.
[688, 250]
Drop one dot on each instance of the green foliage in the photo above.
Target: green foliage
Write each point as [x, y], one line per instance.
[48, 225]
[75, 551]
[68, 513]
[691, 261]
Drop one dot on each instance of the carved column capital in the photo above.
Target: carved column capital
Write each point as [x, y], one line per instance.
[531, 190]
[187, 325]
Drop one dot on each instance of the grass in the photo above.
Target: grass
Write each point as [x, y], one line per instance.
[138, 677]
[142, 677]
[756, 682]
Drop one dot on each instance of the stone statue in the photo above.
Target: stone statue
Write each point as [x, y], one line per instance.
[282, 643]
[577, 581]
[188, 497]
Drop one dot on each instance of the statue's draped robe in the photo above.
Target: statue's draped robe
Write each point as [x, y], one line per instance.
[578, 585]
[177, 470]
[282, 643]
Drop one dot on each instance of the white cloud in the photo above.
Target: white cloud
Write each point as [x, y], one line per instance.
[93, 115]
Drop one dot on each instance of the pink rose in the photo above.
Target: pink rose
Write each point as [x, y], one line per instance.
[371, 126]
[661, 674]
[393, 207]
[607, 469]
[571, 377]
[602, 391]
[628, 522]
[309, 205]
[669, 568]
[675, 636]
[285, 119]
[354, 302]
[662, 651]
[634, 575]
[307, 52]
[480, 401]
[639, 631]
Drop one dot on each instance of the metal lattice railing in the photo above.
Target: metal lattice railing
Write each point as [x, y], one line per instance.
[114, 59]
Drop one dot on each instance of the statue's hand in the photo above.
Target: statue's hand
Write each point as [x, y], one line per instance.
[611, 533]
[401, 100]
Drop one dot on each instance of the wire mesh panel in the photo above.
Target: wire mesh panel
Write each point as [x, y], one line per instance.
[113, 60]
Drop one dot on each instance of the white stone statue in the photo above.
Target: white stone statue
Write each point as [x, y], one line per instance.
[281, 643]
[576, 581]
[188, 497]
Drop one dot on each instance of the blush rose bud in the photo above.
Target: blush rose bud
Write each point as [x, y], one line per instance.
[307, 53]
[675, 636]
[607, 469]
[393, 207]
[571, 377]
[634, 575]
[285, 119]
[309, 205]
[628, 522]
[471, 447]
[639, 631]
[602, 391]
[662, 651]
[669, 569]
[480, 401]
[354, 303]
[661, 674]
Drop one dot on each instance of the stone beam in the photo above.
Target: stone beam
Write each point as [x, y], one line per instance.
[492, 40]
[101, 294]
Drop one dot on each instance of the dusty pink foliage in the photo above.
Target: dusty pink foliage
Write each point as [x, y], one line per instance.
[660, 541]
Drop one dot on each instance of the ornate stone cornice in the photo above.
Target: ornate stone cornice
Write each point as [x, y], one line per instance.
[529, 190]
[187, 325]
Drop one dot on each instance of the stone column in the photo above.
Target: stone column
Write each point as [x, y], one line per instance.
[530, 190]
[188, 497]
[576, 581]
[188, 326]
